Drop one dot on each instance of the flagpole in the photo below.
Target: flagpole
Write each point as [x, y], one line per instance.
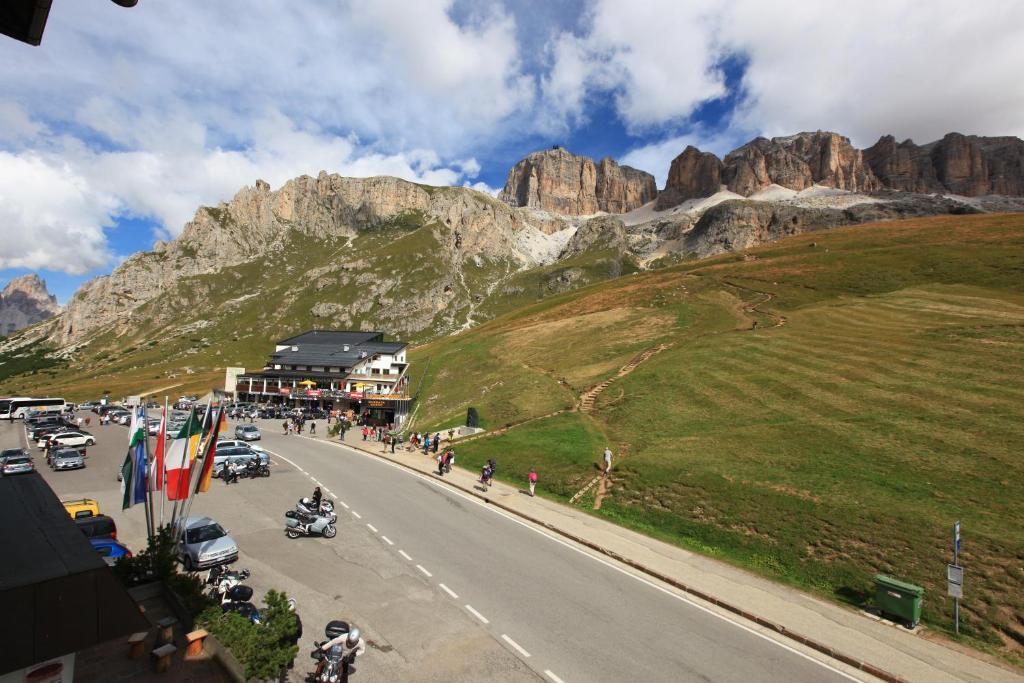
[186, 507]
[202, 448]
[175, 517]
[145, 468]
[162, 434]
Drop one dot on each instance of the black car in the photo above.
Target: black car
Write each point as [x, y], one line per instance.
[97, 526]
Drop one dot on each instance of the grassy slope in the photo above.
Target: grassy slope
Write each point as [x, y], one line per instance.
[842, 443]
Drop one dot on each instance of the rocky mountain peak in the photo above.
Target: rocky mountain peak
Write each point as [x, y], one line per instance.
[25, 301]
[560, 182]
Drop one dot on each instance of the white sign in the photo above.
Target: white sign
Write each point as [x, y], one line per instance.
[954, 581]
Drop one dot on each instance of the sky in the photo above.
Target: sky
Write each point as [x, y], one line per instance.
[124, 121]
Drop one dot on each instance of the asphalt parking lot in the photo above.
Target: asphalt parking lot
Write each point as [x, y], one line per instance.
[412, 632]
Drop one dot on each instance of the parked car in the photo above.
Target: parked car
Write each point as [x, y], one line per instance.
[247, 433]
[39, 433]
[110, 550]
[204, 543]
[73, 439]
[122, 418]
[153, 427]
[67, 459]
[83, 507]
[89, 405]
[227, 443]
[97, 526]
[9, 452]
[17, 464]
[236, 455]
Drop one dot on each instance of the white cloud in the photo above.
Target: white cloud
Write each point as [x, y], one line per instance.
[482, 187]
[51, 218]
[655, 158]
[863, 69]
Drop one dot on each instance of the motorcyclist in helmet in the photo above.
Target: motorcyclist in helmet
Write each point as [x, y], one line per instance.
[352, 645]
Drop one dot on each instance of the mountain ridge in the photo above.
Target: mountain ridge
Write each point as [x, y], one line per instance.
[25, 301]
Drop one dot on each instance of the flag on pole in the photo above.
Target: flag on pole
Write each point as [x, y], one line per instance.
[179, 455]
[220, 425]
[156, 470]
[133, 471]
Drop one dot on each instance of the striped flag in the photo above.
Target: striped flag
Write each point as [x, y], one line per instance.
[179, 455]
[156, 469]
[218, 425]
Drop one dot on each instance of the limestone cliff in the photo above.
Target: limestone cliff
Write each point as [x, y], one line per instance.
[259, 222]
[25, 301]
[560, 182]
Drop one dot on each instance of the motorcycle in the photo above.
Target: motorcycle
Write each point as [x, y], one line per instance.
[222, 582]
[298, 524]
[254, 469]
[239, 599]
[333, 666]
[305, 506]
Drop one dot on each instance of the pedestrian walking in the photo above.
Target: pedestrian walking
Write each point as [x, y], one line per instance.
[532, 479]
[607, 460]
[312, 428]
[437, 441]
[393, 440]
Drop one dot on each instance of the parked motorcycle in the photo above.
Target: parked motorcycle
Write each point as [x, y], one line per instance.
[223, 580]
[305, 506]
[298, 524]
[254, 469]
[239, 599]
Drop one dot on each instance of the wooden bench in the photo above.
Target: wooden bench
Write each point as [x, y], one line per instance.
[136, 644]
[162, 656]
[166, 626]
[195, 643]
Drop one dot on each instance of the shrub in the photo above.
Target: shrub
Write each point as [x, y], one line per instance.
[264, 649]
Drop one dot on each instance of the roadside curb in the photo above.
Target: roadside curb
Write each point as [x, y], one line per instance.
[831, 652]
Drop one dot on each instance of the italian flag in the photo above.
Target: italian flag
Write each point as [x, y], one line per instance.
[156, 473]
[178, 457]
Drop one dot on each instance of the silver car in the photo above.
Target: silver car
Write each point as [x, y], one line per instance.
[247, 433]
[67, 459]
[17, 464]
[204, 543]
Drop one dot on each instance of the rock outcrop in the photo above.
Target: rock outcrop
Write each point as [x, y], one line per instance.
[259, 221]
[692, 174]
[958, 164]
[965, 165]
[560, 182]
[797, 162]
[25, 301]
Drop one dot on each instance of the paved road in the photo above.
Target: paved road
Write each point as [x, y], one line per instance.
[448, 588]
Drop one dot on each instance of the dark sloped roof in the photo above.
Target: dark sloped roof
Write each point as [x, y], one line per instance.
[333, 337]
[59, 596]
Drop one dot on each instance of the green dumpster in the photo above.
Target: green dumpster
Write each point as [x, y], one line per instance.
[898, 599]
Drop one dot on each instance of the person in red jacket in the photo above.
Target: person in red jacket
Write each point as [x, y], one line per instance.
[532, 479]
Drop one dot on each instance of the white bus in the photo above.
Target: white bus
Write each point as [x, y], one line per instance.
[15, 408]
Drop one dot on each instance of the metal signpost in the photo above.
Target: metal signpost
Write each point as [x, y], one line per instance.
[955, 578]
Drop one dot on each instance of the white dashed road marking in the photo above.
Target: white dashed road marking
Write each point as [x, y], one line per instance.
[405, 555]
[477, 614]
[422, 569]
[371, 527]
[553, 677]
[343, 504]
[516, 646]
[448, 590]
[387, 540]
[333, 496]
[356, 514]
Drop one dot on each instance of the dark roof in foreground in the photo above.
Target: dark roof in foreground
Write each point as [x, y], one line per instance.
[333, 337]
[58, 594]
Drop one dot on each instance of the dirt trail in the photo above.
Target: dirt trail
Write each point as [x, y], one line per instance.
[586, 404]
[751, 308]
